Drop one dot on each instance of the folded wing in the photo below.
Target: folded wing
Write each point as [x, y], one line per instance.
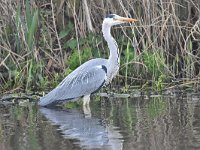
[78, 83]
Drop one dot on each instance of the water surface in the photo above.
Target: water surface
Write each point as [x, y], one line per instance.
[139, 123]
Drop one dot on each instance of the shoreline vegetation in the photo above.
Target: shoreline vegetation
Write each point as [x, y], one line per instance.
[41, 42]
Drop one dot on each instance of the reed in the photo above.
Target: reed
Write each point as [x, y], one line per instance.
[42, 41]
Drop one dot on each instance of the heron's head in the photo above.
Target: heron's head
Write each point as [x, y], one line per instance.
[113, 19]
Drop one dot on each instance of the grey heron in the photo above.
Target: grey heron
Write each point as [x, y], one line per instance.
[93, 74]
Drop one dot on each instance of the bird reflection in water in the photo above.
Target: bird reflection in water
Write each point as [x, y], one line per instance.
[89, 131]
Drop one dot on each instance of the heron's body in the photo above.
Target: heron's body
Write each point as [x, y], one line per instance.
[90, 76]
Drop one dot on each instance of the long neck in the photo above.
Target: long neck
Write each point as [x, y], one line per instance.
[112, 45]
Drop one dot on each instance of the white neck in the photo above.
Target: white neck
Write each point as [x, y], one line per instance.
[112, 45]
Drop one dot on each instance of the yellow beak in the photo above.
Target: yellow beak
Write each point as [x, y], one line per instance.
[127, 19]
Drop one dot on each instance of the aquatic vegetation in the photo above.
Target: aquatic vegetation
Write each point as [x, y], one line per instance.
[42, 42]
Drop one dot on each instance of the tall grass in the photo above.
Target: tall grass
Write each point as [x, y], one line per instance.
[41, 41]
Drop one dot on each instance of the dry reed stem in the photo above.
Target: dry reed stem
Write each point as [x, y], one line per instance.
[56, 33]
[168, 28]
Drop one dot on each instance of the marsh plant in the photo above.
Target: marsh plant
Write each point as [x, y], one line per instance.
[43, 41]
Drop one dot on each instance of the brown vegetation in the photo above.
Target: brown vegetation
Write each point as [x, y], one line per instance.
[38, 39]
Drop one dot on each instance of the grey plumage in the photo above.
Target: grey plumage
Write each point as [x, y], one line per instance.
[84, 80]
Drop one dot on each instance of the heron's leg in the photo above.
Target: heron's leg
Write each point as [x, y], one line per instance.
[86, 99]
[86, 106]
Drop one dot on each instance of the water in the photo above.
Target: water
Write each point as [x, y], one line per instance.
[138, 123]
